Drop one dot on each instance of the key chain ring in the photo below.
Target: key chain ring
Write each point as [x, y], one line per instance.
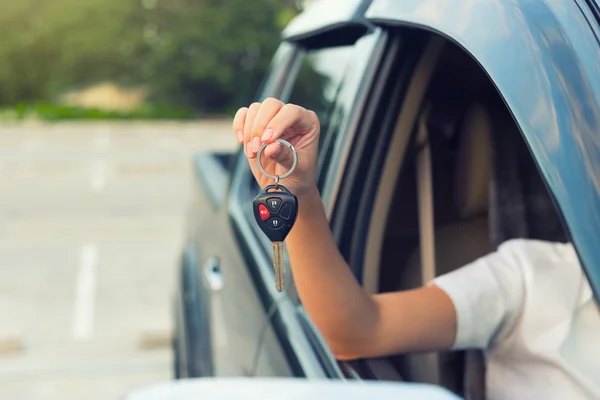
[277, 178]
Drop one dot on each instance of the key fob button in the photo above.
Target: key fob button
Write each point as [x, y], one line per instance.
[263, 212]
[275, 223]
[274, 203]
[286, 211]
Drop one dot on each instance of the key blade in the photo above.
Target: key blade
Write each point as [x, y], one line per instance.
[278, 265]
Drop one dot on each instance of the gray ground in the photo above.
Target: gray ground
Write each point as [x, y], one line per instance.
[90, 229]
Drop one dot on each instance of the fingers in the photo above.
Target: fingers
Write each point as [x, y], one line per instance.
[248, 123]
[257, 118]
[268, 121]
[289, 116]
[280, 153]
[274, 152]
[268, 109]
[238, 124]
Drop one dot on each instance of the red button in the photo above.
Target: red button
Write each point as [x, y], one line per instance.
[264, 212]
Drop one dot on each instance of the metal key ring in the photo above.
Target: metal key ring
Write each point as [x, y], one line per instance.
[277, 177]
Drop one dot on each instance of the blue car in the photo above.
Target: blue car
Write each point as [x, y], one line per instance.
[394, 82]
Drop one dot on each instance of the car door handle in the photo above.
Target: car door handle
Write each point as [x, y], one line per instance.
[213, 275]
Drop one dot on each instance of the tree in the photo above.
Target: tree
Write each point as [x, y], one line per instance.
[204, 54]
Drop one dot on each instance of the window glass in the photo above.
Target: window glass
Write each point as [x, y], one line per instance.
[347, 107]
[318, 80]
[278, 72]
[317, 87]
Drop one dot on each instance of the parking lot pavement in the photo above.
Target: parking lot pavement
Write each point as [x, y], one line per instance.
[91, 222]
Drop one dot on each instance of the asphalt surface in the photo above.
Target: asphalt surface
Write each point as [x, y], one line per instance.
[91, 219]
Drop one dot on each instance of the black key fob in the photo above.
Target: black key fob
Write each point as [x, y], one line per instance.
[275, 211]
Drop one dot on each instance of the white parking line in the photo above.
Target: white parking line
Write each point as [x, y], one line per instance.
[98, 175]
[83, 310]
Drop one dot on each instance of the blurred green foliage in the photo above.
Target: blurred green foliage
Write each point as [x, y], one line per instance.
[202, 55]
[54, 112]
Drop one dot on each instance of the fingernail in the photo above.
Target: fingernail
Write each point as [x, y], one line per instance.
[240, 136]
[247, 149]
[267, 135]
[255, 144]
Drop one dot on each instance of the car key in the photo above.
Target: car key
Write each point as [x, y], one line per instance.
[275, 211]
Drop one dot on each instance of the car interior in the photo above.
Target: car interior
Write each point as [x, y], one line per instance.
[435, 188]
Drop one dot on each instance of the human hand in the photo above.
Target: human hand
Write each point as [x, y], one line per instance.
[271, 120]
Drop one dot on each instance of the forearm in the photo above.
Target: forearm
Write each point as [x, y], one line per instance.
[341, 310]
[421, 319]
[355, 324]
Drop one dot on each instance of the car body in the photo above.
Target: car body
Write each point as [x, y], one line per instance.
[543, 59]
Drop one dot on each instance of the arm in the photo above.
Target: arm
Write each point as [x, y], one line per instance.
[353, 323]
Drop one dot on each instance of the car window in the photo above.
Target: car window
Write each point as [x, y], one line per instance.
[317, 86]
[349, 102]
[278, 72]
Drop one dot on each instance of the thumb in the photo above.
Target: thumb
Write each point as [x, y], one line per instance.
[280, 153]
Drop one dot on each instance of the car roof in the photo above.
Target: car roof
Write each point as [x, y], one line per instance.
[326, 15]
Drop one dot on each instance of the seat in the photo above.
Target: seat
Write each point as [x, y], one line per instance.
[456, 245]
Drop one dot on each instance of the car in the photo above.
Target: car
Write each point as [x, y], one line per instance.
[284, 389]
[374, 71]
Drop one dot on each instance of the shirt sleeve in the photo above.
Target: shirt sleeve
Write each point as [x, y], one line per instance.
[487, 296]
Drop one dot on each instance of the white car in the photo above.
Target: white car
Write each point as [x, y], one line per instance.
[287, 389]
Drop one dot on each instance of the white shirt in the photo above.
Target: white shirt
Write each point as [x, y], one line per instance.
[530, 307]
